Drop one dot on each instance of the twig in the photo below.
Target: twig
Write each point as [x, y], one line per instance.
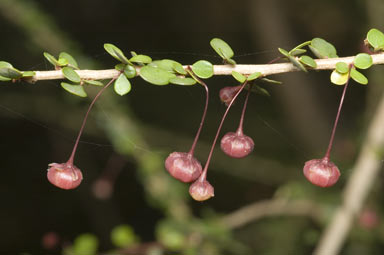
[275, 207]
[359, 184]
[267, 69]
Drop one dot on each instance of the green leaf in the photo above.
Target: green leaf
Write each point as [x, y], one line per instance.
[203, 69]
[4, 79]
[62, 62]
[253, 76]
[94, 82]
[223, 49]
[179, 68]
[358, 77]
[339, 78]
[297, 63]
[116, 53]
[71, 74]
[308, 61]
[322, 49]
[342, 67]
[284, 52]
[182, 81]
[271, 81]
[51, 59]
[141, 59]
[75, 89]
[10, 73]
[156, 75]
[169, 65]
[296, 52]
[5, 64]
[259, 90]
[85, 244]
[298, 49]
[375, 39]
[71, 61]
[122, 85]
[123, 236]
[129, 71]
[363, 61]
[239, 77]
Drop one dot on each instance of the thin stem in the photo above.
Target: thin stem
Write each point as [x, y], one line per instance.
[192, 150]
[71, 158]
[240, 128]
[274, 60]
[204, 174]
[327, 154]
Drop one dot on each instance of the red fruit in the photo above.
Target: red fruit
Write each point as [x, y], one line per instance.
[227, 93]
[183, 166]
[201, 190]
[64, 176]
[321, 172]
[237, 145]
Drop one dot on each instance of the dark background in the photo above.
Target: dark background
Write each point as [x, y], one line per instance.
[39, 122]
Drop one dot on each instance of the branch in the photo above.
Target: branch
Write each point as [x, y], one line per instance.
[359, 184]
[265, 70]
[274, 207]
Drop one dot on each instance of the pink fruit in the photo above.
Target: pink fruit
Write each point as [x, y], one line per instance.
[226, 94]
[64, 176]
[201, 190]
[67, 175]
[236, 145]
[183, 166]
[321, 172]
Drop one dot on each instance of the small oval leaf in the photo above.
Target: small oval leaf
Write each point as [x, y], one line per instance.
[296, 52]
[71, 74]
[297, 63]
[342, 67]
[358, 77]
[271, 81]
[51, 59]
[62, 62]
[129, 71]
[339, 78]
[94, 82]
[75, 89]
[122, 85]
[308, 61]
[179, 68]
[363, 61]
[222, 48]
[155, 75]
[182, 81]
[375, 39]
[203, 69]
[71, 61]
[284, 52]
[141, 59]
[323, 49]
[10, 73]
[253, 76]
[116, 53]
[5, 64]
[238, 76]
